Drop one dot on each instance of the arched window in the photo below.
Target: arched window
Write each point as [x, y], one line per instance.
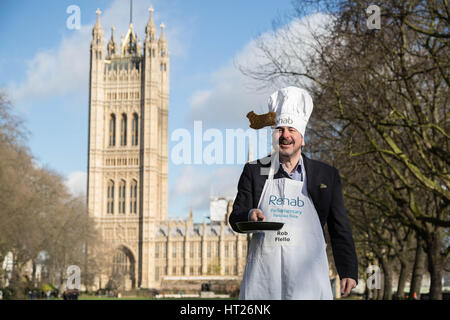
[123, 130]
[121, 263]
[133, 197]
[122, 187]
[134, 130]
[123, 267]
[110, 199]
[112, 130]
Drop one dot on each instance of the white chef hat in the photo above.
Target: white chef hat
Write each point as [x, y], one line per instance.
[293, 107]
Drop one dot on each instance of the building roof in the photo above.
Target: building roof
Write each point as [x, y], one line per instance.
[195, 230]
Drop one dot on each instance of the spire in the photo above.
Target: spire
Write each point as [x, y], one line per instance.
[162, 43]
[112, 46]
[97, 43]
[139, 45]
[129, 45]
[162, 37]
[150, 30]
[98, 30]
[98, 12]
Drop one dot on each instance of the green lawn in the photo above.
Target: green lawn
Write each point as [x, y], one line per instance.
[87, 297]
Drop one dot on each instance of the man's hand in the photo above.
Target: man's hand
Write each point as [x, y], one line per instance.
[347, 284]
[256, 215]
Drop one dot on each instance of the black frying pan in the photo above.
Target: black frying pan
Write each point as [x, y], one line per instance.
[252, 226]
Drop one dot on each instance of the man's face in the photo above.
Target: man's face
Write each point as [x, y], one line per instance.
[290, 141]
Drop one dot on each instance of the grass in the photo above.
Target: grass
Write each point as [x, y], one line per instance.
[88, 297]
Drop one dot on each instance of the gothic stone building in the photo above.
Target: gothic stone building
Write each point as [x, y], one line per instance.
[128, 167]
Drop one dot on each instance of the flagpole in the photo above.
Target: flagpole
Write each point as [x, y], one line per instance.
[131, 11]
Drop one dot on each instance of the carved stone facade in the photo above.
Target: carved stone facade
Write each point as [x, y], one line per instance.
[184, 248]
[128, 167]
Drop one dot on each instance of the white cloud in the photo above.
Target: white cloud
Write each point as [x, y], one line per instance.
[76, 183]
[65, 68]
[229, 100]
[198, 185]
[232, 95]
[56, 72]
[199, 98]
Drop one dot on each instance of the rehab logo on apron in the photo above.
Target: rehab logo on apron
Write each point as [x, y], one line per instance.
[284, 203]
[292, 209]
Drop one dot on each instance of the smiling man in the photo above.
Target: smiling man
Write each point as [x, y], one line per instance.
[296, 268]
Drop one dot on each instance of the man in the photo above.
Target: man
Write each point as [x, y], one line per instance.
[305, 195]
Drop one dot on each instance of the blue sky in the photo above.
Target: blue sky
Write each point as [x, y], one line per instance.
[44, 67]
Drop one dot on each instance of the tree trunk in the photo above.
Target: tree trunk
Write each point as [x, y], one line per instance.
[435, 264]
[376, 294]
[387, 278]
[86, 267]
[387, 288]
[379, 293]
[417, 272]
[404, 270]
[366, 293]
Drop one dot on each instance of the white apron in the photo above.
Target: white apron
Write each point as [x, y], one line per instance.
[290, 263]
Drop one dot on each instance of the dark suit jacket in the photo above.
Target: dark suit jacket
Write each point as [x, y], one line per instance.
[328, 202]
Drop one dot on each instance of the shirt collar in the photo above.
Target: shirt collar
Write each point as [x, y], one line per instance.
[298, 167]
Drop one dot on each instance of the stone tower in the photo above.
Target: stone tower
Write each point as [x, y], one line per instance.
[128, 147]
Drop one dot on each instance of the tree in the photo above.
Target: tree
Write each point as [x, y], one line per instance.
[41, 221]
